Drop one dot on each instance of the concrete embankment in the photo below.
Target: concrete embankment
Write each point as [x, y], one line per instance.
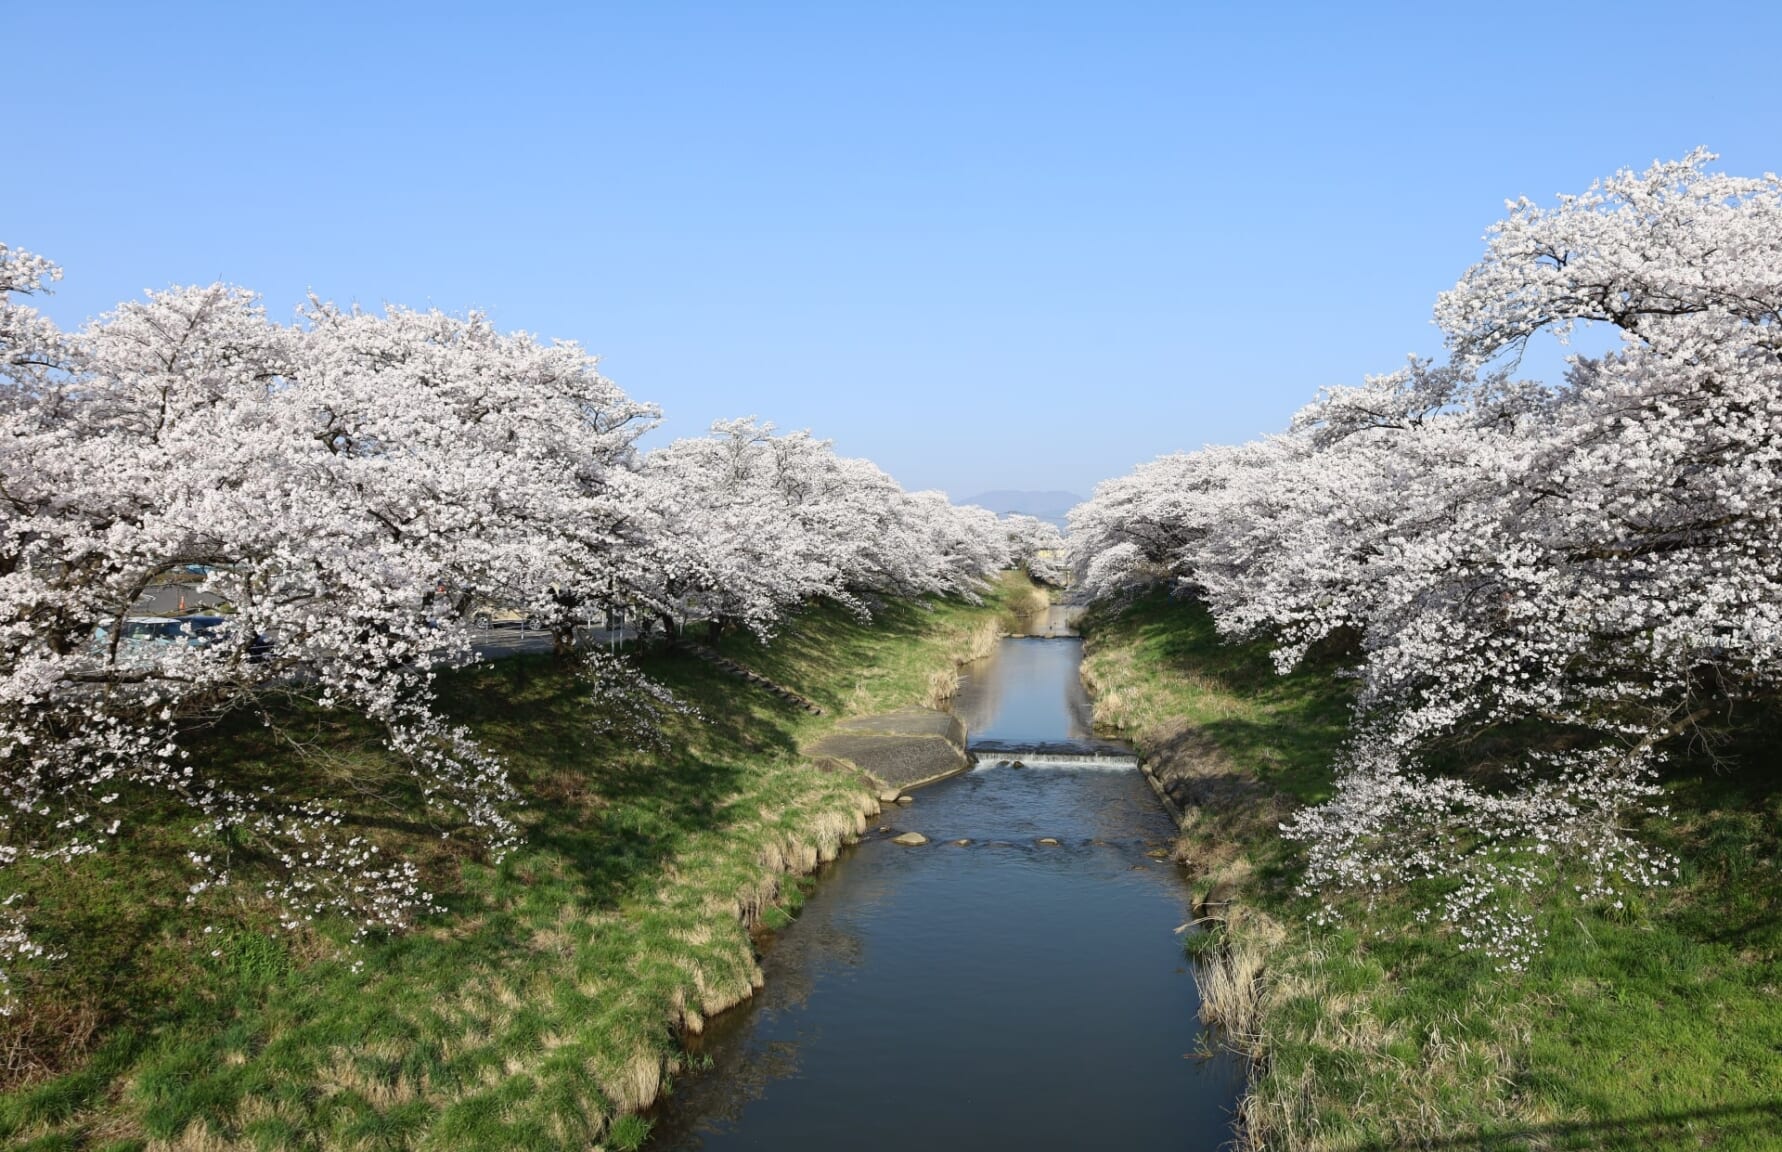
[900, 750]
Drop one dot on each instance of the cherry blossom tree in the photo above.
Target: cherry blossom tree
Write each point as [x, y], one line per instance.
[1037, 546]
[750, 524]
[327, 478]
[351, 487]
[1596, 556]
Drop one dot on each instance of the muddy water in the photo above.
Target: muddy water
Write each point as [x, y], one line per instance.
[998, 993]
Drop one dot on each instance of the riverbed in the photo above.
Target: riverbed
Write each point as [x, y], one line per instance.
[987, 989]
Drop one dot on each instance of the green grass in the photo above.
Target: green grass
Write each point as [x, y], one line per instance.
[1658, 1029]
[544, 1007]
[1157, 664]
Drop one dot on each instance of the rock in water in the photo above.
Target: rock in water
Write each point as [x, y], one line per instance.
[906, 800]
[910, 839]
[889, 796]
[1047, 840]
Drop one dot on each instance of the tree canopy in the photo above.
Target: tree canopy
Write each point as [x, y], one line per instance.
[1596, 555]
[351, 486]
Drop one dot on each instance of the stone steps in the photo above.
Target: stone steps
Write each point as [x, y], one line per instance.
[743, 672]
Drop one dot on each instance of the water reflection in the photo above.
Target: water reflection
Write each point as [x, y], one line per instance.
[1030, 690]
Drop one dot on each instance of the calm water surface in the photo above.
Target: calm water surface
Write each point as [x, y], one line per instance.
[1030, 691]
[995, 994]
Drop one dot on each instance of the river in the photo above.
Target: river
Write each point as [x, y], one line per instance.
[995, 993]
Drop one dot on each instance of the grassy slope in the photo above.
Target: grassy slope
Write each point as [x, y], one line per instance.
[540, 1011]
[1662, 1029]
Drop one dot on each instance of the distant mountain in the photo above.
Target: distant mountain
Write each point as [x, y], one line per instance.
[1045, 505]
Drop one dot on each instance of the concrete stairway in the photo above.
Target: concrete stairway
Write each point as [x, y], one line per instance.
[742, 672]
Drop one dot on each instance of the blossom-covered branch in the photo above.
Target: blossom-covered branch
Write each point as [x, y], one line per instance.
[1597, 555]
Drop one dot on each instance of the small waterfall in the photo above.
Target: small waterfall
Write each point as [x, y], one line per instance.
[1124, 763]
[1053, 754]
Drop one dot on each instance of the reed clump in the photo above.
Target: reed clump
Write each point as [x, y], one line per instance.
[972, 642]
[1230, 978]
[980, 642]
[1031, 601]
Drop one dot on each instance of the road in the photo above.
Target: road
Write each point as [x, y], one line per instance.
[490, 643]
[498, 643]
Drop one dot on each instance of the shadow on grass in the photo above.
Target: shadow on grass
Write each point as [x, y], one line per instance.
[131, 958]
[1285, 730]
[1685, 1128]
[616, 814]
[822, 657]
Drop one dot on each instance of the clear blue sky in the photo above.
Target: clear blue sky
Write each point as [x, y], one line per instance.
[1012, 245]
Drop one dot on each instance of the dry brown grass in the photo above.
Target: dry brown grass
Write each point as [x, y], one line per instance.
[40, 1043]
[1230, 980]
[968, 644]
[980, 641]
[196, 1137]
[633, 1084]
[943, 685]
[1294, 1109]
[1030, 601]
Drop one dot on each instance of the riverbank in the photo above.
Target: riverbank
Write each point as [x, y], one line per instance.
[1659, 1029]
[541, 1009]
[1011, 978]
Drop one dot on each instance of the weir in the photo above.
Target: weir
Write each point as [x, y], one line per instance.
[1054, 753]
[1035, 759]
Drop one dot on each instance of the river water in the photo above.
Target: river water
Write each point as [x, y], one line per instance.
[999, 993]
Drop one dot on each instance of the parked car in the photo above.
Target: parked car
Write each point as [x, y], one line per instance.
[487, 615]
[145, 639]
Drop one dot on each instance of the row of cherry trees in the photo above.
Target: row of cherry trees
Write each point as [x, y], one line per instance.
[354, 486]
[1598, 560]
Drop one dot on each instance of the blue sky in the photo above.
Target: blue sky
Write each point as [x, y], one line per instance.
[987, 245]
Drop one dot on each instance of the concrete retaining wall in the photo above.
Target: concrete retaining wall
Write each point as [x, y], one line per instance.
[901, 750]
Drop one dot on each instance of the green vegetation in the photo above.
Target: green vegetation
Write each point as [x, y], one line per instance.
[1658, 1027]
[541, 1009]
